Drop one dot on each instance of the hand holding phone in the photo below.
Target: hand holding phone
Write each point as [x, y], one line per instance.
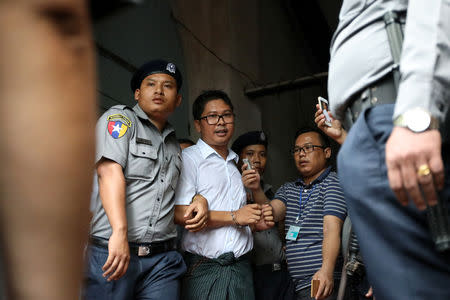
[247, 162]
[323, 104]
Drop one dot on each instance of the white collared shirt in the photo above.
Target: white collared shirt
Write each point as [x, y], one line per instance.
[205, 172]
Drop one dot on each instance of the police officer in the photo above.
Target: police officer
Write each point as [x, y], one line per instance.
[270, 274]
[392, 162]
[131, 252]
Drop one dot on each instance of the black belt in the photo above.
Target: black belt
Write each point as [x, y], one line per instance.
[271, 267]
[381, 92]
[139, 249]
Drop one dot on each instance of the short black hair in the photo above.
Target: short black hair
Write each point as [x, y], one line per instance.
[185, 141]
[205, 97]
[324, 140]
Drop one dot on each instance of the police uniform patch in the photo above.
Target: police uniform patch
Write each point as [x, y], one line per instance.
[118, 125]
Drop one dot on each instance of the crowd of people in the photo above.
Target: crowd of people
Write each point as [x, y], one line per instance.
[229, 247]
[174, 219]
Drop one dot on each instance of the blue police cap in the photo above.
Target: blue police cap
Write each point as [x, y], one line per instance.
[249, 138]
[155, 67]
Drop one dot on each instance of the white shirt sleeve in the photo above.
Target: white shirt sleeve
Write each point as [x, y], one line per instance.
[187, 183]
[425, 60]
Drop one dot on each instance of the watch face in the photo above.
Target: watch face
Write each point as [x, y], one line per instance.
[417, 120]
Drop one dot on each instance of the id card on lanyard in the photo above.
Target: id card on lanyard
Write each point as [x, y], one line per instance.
[294, 230]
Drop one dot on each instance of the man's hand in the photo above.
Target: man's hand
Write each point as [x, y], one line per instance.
[251, 179]
[197, 214]
[336, 132]
[266, 221]
[406, 151]
[248, 214]
[326, 283]
[369, 293]
[119, 256]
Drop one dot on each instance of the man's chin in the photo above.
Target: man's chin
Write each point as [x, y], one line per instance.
[304, 172]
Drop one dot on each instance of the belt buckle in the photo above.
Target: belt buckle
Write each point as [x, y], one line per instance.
[276, 267]
[143, 250]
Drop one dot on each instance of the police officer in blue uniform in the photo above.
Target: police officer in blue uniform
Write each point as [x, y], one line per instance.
[270, 275]
[132, 246]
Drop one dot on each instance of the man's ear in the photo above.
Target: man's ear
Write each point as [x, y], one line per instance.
[178, 100]
[137, 94]
[197, 125]
[327, 152]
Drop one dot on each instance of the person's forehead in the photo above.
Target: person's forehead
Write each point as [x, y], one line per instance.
[255, 147]
[307, 138]
[160, 77]
[216, 105]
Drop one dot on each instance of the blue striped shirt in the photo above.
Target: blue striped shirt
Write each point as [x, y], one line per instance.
[322, 197]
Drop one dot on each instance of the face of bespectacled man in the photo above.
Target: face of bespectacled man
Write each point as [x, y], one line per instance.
[219, 134]
[312, 159]
[158, 96]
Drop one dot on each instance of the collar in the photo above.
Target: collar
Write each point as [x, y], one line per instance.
[317, 180]
[141, 114]
[206, 150]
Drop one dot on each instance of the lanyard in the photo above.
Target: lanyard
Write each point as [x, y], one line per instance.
[300, 201]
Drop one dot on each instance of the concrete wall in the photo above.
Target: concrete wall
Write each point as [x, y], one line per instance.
[232, 45]
[220, 44]
[216, 38]
[137, 35]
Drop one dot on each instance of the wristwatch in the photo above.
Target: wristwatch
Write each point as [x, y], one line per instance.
[417, 120]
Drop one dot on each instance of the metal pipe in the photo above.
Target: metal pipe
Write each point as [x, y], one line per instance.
[277, 87]
[115, 58]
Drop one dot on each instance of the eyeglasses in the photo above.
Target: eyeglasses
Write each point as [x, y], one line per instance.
[306, 149]
[213, 119]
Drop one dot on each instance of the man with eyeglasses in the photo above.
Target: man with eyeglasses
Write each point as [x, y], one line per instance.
[314, 210]
[217, 256]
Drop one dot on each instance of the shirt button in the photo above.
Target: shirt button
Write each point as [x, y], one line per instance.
[150, 224]
[157, 199]
[162, 180]
[143, 152]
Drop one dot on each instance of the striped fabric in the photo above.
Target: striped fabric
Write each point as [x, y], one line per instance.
[304, 256]
[225, 277]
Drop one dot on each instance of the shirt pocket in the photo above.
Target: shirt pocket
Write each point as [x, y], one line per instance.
[142, 162]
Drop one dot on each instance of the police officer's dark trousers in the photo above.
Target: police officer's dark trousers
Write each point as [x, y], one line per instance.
[155, 277]
[395, 242]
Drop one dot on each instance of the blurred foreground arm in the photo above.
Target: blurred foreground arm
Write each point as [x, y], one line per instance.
[47, 103]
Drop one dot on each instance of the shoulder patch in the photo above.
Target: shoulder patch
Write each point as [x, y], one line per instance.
[118, 125]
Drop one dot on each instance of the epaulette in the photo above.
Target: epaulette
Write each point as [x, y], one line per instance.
[122, 107]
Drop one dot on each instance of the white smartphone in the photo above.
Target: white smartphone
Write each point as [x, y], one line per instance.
[246, 161]
[323, 104]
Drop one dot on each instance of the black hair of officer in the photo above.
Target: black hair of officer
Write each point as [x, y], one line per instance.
[206, 96]
[249, 138]
[156, 66]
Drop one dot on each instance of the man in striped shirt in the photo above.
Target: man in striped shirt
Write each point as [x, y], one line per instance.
[314, 210]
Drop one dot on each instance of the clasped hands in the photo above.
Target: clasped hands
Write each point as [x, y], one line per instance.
[258, 216]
